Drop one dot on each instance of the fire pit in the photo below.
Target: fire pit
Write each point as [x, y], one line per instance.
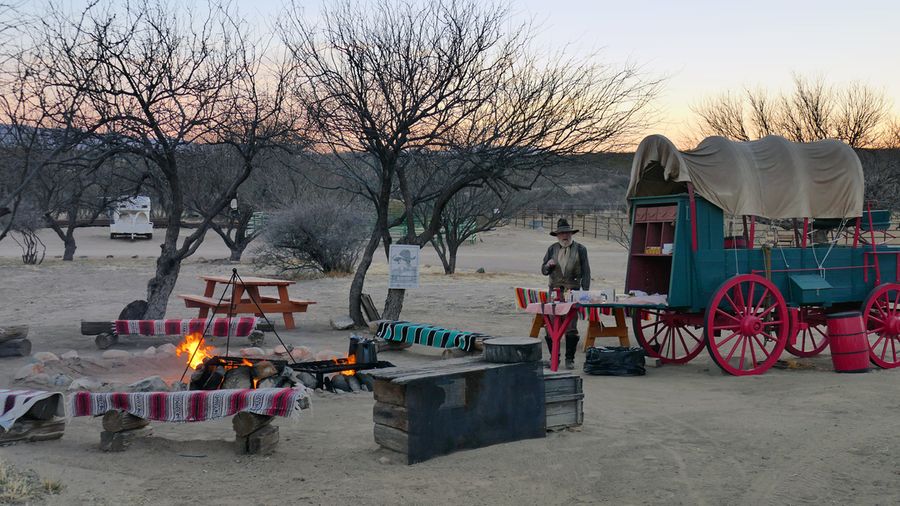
[213, 372]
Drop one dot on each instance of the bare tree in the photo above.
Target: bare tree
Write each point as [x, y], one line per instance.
[393, 86]
[155, 80]
[472, 211]
[811, 111]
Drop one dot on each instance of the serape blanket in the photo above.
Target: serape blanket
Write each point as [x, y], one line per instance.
[418, 333]
[221, 327]
[525, 296]
[15, 403]
[193, 405]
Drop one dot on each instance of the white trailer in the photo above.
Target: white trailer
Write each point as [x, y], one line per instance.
[131, 218]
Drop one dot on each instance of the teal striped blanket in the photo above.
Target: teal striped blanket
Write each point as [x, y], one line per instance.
[419, 333]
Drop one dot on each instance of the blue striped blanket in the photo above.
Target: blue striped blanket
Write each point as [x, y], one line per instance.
[419, 333]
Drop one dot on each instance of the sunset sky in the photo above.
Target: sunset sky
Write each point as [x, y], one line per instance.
[706, 47]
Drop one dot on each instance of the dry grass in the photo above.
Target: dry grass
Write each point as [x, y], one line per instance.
[23, 486]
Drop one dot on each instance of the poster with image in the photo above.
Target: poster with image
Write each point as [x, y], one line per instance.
[404, 267]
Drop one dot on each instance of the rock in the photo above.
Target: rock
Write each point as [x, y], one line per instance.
[166, 349]
[353, 383]
[149, 352]
[270, 382]
[252, 352]
[342, 323]
[302, 354]
[256, 337]
[46, 356]
[109, 256]
[480, 270]
[69, 355]
[282, 350]
[384, 460]
[29, 370]
[366, 381]
[41, 378]
[116, 355]
[308, 380]
[339, 382]
[84, 384]
[328, 355]
[61, 380]
[151, 384]
[264, 369]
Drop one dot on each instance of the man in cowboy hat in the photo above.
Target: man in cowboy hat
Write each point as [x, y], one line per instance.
[566, 262]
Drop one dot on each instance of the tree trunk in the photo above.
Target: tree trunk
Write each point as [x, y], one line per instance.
[70, 246]
[160, 287]
[452, 248]
[236, 252]
[393, 304]
[359, 278]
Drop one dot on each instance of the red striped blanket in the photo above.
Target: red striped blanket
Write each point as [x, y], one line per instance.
[239, 327]
[15, 403]
[525, 296]
[193, 405]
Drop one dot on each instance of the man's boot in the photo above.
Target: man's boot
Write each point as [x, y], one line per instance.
[571, 348]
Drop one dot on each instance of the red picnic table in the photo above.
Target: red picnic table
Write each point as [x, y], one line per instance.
[254, 303]
[557, 317]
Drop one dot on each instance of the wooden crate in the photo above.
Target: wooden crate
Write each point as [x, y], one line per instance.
[564, 400]
[458, 404]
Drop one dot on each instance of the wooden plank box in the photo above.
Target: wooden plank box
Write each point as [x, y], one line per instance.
[459, 404]
[564, 400]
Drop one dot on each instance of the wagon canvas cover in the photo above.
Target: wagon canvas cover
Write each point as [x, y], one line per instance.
[771, 177]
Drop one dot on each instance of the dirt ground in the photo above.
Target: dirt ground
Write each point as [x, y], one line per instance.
[679, 435]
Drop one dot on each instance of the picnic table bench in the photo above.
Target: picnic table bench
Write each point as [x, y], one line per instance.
[252, 303]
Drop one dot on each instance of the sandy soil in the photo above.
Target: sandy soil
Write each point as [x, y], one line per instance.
[679, 435]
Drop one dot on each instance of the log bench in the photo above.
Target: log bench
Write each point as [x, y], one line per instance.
[127, 417]
[106, 335]
[35, 416]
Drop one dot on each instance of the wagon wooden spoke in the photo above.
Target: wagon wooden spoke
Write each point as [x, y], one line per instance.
[664, 338]
[762, 300]
[882, 324]
[723, 313]
[693, 336]
[761, 345]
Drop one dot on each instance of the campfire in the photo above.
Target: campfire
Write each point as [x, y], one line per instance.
[212, 371]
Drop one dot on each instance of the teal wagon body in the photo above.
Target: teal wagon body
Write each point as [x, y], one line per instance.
[747, 299]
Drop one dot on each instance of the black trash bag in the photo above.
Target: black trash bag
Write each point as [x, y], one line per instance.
[614, 361]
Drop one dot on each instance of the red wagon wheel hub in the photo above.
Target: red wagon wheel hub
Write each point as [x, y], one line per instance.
[893, 325]
[751, 325]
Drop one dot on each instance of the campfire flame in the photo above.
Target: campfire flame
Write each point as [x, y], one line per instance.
[195, 350]
[351, 359]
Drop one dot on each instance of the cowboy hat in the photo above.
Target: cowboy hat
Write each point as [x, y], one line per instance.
[563, 226]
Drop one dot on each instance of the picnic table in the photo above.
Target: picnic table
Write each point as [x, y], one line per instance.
[246, 298]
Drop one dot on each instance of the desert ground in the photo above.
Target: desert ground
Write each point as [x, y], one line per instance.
[679, 435]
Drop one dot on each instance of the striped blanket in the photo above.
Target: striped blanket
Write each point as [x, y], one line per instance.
[15, 403]
[193, 405]
[418, 333]
[525, 296]
[221, 327]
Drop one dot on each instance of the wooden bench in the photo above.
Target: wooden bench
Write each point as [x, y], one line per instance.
[253, 431]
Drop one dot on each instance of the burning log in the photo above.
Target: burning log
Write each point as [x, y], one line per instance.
[238, 377]
[215, 378]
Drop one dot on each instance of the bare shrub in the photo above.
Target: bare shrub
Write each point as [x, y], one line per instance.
[319, 235]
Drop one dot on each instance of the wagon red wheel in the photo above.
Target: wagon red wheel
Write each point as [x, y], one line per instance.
[747, 325]
[667, 335]
[812, 333]
[881, 315]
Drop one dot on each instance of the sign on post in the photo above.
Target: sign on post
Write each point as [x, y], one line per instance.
[404, 267]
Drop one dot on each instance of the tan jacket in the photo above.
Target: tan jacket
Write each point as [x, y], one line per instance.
[577, 277]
